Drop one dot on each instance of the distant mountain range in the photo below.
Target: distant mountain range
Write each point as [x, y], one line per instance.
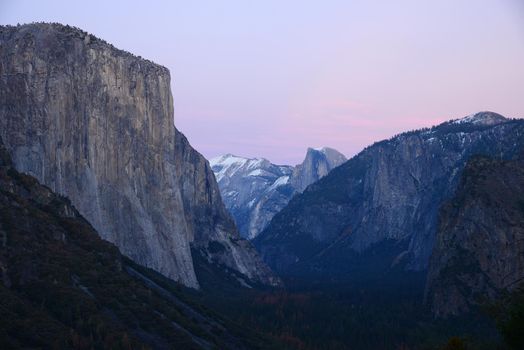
[254, 190]
[376, 216]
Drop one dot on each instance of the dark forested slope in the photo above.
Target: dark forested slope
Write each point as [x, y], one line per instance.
[62, 286]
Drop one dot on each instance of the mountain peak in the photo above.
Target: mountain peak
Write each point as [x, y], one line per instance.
[318, 162]
[227, 158]
[327, 152]
[254, 189]
[482, 118]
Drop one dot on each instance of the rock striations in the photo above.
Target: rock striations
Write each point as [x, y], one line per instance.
[63, 287]
[479, 248]
[95, 123]
[215, 236]
[317, 164]
[254, 190]
[378, 211]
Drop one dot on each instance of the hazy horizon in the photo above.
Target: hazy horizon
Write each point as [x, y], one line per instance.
[271, 79]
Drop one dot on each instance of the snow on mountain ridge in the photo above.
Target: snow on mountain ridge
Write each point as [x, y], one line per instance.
[481, 118]
[254, 189]
[227, 165]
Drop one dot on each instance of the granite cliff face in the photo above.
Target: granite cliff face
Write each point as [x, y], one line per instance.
[479, 246]
[214, 234]
[254, 190]
[63, 287]
[95, 123]
[378, 211]
[317, 164]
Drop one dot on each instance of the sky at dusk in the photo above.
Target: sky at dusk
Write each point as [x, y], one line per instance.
[271, 78]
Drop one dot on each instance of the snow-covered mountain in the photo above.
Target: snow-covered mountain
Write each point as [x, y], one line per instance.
[254, 190]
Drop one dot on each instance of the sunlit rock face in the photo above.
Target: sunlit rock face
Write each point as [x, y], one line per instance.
[95, 123]
[254, 190]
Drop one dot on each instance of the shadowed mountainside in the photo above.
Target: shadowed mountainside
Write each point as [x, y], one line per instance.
[62, 286]
[377, 213]
[479, 248]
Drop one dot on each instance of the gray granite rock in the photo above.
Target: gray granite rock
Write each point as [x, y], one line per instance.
[389, 193]
[317, 164]
[254, 190]
[479, 246]
[95, 124]
[214, 233]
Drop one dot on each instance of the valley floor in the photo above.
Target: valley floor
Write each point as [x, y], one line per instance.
[347, 316]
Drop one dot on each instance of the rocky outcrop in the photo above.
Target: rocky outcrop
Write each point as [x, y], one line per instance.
[386, 196]
[214, 234]
[479, 247]
[95, 123]
[317, 164]
[254, 190]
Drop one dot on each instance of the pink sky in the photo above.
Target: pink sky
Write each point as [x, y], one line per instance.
[271, 78]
